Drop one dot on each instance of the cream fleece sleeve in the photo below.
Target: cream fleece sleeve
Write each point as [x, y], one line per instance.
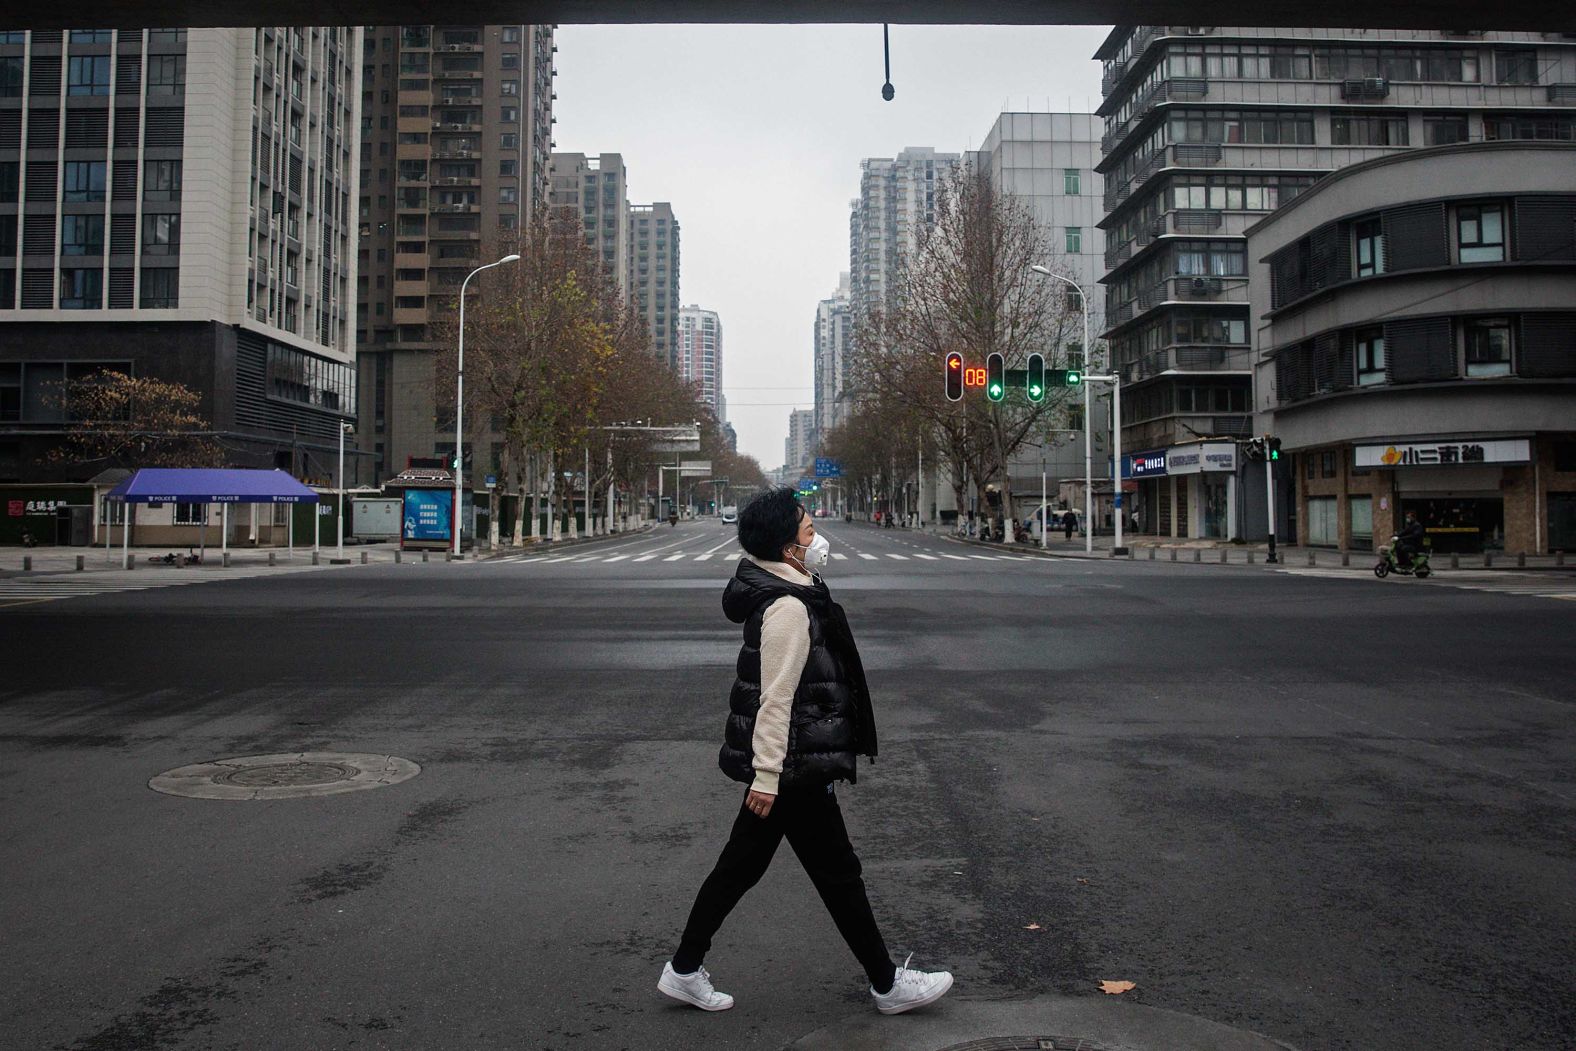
[785, 646]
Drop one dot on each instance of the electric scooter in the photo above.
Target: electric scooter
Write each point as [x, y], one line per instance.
[1387, 563]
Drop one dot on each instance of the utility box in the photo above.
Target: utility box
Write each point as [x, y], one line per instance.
[376, 519]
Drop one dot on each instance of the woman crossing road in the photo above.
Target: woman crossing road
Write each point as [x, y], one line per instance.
[799, 715]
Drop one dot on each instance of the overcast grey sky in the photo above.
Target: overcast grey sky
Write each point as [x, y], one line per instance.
[755, 133]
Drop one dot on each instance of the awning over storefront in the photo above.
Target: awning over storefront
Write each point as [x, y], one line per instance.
[204, 485]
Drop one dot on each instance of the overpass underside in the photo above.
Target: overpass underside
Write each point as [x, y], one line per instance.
[1540, 15]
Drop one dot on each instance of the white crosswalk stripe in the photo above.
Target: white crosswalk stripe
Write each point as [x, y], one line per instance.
[47, 588]
[620, 558]
[724, 555]
[901, 557]
[840, 556]
[645, 558]
[870, 557]
[956, 558]
[927, 558]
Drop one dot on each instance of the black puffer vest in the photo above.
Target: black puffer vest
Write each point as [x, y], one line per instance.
[832, 721]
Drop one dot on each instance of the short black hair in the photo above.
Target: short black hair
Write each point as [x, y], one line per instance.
[769, 523]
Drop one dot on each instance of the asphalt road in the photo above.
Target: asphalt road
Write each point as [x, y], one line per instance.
[1338, 812]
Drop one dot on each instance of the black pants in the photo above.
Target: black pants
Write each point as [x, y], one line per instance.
[813, 823]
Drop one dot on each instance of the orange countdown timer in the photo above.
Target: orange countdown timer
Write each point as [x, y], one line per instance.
[974, 377]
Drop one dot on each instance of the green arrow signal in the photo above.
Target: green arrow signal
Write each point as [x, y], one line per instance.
[1035, 391]
[1074, 377]
[995, 390]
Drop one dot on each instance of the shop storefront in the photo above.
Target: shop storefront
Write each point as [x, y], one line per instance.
[1472, 494]
[1186, 490]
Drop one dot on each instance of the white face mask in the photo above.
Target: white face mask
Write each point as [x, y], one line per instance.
[819, 553]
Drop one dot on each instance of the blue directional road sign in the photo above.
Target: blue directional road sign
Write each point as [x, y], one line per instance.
[808, 485]
[825, 468]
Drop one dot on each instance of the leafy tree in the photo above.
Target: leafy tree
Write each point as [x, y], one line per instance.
[126, 421]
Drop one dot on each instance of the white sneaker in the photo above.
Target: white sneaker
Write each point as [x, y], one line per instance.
[911, 989]
[696, 988]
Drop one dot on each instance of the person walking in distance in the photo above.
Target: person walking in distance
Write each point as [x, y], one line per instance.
[799, 715]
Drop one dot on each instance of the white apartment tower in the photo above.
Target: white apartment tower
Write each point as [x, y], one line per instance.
[653, 280]
[896, 203]
[699, 356]
[595, 191]
[833, 346]
[210, 243]
[800, 444]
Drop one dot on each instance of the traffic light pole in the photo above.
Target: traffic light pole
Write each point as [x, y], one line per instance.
[1269, 490]
[1116, 455]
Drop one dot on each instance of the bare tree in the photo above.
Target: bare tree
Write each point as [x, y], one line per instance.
[135, 421]
[969, 289]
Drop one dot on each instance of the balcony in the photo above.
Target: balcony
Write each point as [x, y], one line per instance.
[1191, 359]
[456, 209]
[446, 125]
[457, 155]
[459, 100]
[1564, 94]
[457, 74]
[1118, 255]
[458, 180]
[458, 49]
[1365, 89]
[1174, 90]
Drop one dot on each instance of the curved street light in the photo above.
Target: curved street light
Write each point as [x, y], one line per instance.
[459, 400]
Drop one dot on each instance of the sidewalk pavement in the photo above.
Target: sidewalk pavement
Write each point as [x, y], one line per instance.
[1215, 552]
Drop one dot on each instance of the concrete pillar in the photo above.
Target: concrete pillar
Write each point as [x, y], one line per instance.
[1151, 554]
[1251, 558]
[398, 556]
[1455, 561]
[81, 560]
[1173, 554]
[225, 560]
[1198, 555]
[425, 556]
[27, 563]
[363, 558]
[271, 559]
[1310, 558]
[315, 558]
[1224, 552]
[1346, 558]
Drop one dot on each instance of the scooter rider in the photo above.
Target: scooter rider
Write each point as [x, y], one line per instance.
[1409, 541]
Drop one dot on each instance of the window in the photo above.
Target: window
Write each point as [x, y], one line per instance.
[84, 181]
[1360, 520]
[10, 78]
[160, 288]
[508, 195]
[1210, 258]
[1480, 233]
[1529, 126]
[510, 60]
[510, 87]
[1370, 356]
[166, 74]
[90, 36]
[1444, 129]
[511, 34]
[1488, 346]
[508, 167]
[190, 514]
[1369, 235]
[81, 289]
[1072, 182]
[509, 115]
[1367, 129]
[1074, 240]
[1516, 66]
[82, 235]
[88, 75]
[161, 235]
[509, 141]
[161, 181]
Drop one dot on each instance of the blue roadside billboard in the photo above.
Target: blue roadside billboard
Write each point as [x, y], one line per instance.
[428, 514]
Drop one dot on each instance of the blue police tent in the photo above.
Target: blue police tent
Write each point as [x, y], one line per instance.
[207, 485]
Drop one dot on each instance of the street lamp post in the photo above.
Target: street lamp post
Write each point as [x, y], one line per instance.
[344, 429]
[1083, 299]
[459, 400]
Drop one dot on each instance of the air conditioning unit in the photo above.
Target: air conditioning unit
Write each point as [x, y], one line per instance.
[1375, 84]
[1203, 286]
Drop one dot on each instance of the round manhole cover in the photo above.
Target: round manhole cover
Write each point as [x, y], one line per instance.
[287, 776]
[1032, 1043]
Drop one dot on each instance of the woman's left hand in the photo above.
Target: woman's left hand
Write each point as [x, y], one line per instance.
[759, 803]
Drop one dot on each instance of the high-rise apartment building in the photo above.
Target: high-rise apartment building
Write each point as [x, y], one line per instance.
[595, 192]
[799, 447]
[699, 353]
[456, 126]
[176, 204]
[1210, 128]
[654, 274]
[833, 353]
[896, 204]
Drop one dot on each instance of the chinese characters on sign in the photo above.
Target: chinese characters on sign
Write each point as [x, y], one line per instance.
[1444, 453]
[19, 508]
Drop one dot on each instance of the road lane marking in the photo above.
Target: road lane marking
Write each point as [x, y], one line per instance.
[903, 558]
[645, 558]
[616, 558]
[956, 558]
[674, 558]
[986, 558]
[839, 556]
[927, 558]
[870, 557]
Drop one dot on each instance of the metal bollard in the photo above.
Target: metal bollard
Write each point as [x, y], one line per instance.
[81, 563]
[448, 556]
[225, 560]
[1173, 554]
[314, 558]
[424, 555]
[27, 563]
[129, 562]
[1521, 560]
[1250, 557]
[1346, 558]
[271, 559]
[1559, 558]
[1488, 560]
[1151, 554]
[1198, 555]
[1455, 561]
[1223, 553]
[363, 558]
[1310, 558]
[398, 557]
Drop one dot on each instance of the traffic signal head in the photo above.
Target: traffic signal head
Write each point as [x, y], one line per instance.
[1074, 377]
[1273, 445]
[1064, 377]
[995, 377]
[954, 376]
[1036, 378]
